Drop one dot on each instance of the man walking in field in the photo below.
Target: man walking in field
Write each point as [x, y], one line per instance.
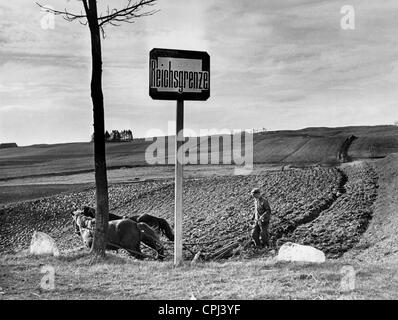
[261, 216]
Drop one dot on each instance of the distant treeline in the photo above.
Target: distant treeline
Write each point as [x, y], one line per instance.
[116, 136]
[8, 145]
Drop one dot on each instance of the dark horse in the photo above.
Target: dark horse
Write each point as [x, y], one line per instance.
[122, 234]
[159, 225]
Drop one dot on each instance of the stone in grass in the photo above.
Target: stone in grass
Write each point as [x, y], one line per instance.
[299, 253]
[43, 244]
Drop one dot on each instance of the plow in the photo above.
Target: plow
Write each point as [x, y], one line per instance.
[226, 251]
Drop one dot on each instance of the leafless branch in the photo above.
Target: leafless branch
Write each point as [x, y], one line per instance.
[85, 6]
[128, 13]
[114, 17]
[68, 16]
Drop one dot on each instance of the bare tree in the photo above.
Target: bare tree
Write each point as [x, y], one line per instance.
[96, 23]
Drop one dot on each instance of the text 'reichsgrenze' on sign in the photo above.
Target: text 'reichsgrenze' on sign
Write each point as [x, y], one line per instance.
[179, 75]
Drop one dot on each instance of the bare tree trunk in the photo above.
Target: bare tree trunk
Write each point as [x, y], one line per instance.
[96, 24]
[101, 181]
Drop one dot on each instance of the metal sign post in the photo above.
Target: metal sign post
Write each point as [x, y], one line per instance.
[179, 174]
[179, 75]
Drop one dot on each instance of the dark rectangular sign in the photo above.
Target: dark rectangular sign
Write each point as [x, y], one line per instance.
[179, 74]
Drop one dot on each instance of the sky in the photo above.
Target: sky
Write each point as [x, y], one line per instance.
[275, 64]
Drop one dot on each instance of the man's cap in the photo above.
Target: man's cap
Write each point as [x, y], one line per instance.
[255, 190]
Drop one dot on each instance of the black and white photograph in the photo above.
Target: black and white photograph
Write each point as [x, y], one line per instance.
[198, 153]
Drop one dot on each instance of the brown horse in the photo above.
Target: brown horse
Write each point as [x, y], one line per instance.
[122, 234]
[159, 225]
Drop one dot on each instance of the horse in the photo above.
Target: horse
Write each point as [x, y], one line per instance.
[159, 225]
[122, 234]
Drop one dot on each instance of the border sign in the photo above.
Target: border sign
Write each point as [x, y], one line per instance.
[179, 75]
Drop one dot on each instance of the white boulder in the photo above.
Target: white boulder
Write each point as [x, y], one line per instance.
[299, 253]
[43, 244]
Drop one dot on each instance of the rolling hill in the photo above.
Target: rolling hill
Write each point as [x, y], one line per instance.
[298, 147]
